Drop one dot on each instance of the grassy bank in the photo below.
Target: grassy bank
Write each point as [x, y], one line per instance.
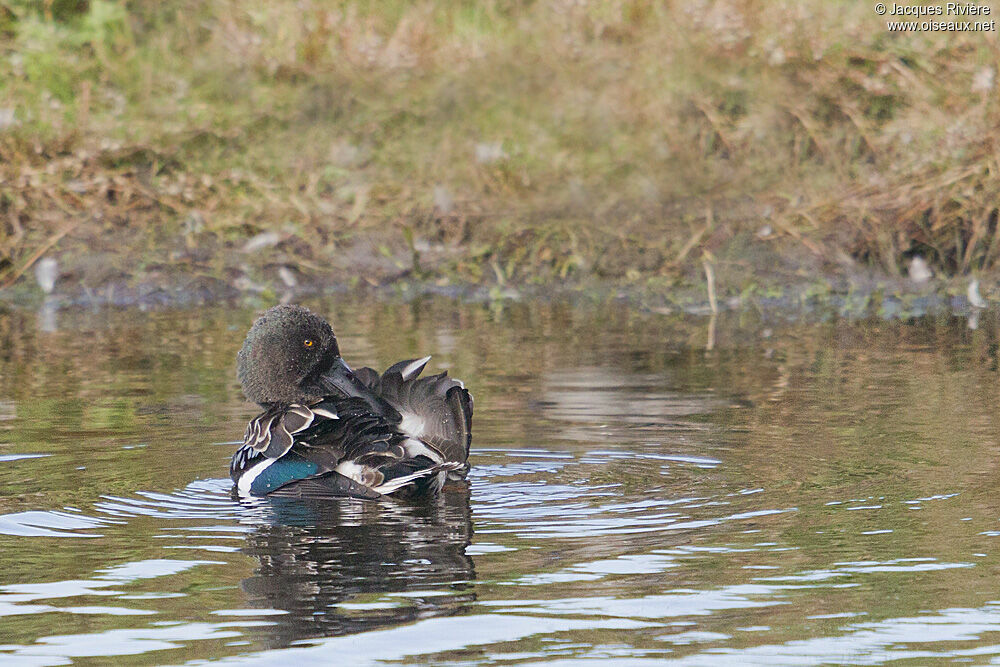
[496, 142]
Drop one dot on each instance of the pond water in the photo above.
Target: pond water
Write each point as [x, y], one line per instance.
[800, 494]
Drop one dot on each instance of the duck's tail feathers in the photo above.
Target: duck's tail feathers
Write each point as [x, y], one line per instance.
[429, 475]
[436, 409]
[460, 402]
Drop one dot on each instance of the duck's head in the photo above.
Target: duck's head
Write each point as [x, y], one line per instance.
[288, 356]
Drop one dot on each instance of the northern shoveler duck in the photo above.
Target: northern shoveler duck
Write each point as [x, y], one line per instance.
[327, 430]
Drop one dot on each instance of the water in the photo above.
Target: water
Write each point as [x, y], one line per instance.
[801, 494]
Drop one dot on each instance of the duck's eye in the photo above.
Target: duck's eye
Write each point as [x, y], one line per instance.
[308, 342]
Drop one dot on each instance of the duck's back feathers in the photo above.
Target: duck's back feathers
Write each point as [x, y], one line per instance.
[436, 409]
[338, 448]
[409, 369]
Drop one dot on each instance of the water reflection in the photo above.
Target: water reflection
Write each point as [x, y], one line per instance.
[344, 567]
[797, 493]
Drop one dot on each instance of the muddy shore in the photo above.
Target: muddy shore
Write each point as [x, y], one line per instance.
[774, 288]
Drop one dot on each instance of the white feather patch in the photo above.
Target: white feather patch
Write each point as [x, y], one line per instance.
[414, 447]
[412, 425]
[326, 413]
[351, 470]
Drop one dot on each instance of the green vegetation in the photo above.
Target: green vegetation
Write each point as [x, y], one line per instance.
[497, 142]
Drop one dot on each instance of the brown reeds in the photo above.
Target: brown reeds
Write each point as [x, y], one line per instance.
[571, 138]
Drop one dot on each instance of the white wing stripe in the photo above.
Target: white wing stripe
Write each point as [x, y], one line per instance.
[247, 478]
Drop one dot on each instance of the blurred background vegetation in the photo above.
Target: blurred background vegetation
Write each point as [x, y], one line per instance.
[495, 142]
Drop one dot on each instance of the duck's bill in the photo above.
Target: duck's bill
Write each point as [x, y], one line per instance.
[340, 380]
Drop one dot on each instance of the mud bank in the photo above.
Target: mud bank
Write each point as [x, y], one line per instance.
[775, 288]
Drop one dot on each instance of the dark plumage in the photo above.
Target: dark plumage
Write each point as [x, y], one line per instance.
[274, 361]
[329, 431]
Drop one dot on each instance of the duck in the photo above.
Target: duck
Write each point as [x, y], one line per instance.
[328, 430]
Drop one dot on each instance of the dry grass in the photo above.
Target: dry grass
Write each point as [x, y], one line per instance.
[497, 141]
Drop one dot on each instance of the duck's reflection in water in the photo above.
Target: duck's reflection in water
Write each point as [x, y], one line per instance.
[346, 566]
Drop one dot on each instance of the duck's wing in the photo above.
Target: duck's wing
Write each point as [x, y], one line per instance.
[336, 447]
[436, 409]
[374, 452]
[329, 485]
[272, 432]
[409, 369]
